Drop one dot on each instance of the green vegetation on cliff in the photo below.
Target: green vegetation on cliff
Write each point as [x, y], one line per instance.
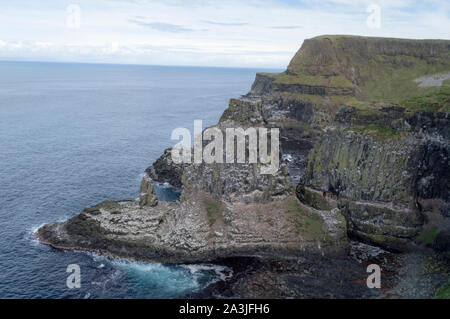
[384, 69]
[392, 78]
[213, 209]
[338, 81]
[306, 223]
[379, 132]
[271, 75]
[428, 235]
[438, 99]
[443, 292]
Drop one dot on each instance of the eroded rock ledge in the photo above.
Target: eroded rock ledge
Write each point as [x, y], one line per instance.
[201, 229]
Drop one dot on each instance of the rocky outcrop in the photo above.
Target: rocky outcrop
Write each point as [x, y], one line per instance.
[437, 124]
[226, 210]
[288, 84]
[147, 196]
[200, 229]
[263, 84]
[164, 170]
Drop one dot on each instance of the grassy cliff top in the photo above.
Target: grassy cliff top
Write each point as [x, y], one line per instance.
[384, 69]
[436, 100]
[337, 37]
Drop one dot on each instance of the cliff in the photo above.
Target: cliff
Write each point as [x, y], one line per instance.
[364, 153]
[371, 69]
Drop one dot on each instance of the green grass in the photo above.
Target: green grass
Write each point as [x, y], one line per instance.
[386, 80]
[428, 235]
[213, 210]
[335, 37]
[306, 223]
[381, 75]
[271, 75]
[438, 99]
[362, 105]
[332, 81]
[443, 292]
[379, 132]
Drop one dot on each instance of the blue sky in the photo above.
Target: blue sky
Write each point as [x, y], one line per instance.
[253, 33]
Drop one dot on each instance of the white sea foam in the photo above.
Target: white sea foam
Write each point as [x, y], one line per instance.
[170, 279]
[222, 273]
[30, 234]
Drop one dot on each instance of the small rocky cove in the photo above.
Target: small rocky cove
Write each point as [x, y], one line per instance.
[364, 179]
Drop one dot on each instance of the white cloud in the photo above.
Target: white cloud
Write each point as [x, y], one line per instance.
[43, 45]
[263, 33]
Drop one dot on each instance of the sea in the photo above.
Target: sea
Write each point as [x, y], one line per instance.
[73, 135]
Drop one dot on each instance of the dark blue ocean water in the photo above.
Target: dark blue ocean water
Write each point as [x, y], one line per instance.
[73, 135]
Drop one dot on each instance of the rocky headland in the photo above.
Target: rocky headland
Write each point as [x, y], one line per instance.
[364, 131]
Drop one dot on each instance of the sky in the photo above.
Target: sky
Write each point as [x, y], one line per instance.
[231, 33]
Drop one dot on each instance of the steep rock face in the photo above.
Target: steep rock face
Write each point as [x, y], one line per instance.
[262, 84]
[383, 181]
[436, 124]
[266, 83]
[358, 166]
[433, 170]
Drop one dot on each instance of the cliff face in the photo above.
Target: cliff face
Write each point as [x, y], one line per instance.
[387, 173]
[383, 186]
[368, 68]
[361, 134]
[356, 58]
[364, 152]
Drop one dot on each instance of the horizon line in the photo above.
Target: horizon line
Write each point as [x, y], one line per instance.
[140, 64]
